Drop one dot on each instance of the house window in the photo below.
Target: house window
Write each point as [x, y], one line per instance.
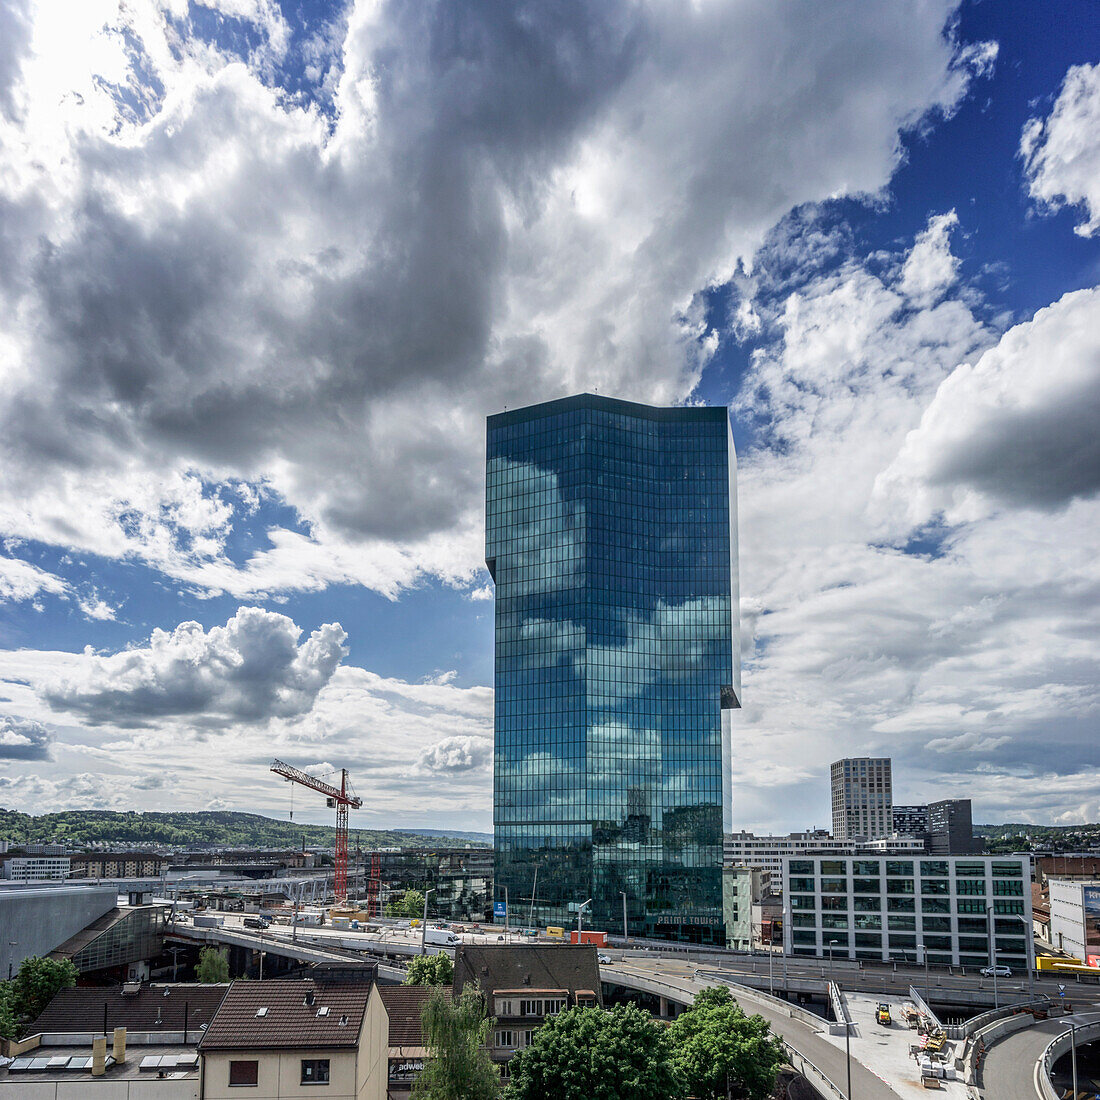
[314, 1071]
[504, 1007]
[530, 1008]
[554, 1006]
[504, 1039]
[244, 1073]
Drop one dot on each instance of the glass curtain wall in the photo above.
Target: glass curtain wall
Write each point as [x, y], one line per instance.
[611, 541]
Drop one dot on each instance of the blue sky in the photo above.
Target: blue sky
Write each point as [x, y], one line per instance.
[267, 267]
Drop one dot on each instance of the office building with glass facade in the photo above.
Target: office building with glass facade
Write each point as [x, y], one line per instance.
[611, 539]
[891, 908]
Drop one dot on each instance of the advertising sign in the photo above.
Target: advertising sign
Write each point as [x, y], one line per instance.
[500, 909]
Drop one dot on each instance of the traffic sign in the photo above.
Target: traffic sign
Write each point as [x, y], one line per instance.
[500, 909]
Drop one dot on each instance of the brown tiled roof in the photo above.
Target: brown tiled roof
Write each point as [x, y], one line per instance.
[527, 967]
[288, 1023]
[403, 1006]
[153, 1008]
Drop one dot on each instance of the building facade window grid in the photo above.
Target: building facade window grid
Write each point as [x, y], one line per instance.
[609, 540]
[908, 908]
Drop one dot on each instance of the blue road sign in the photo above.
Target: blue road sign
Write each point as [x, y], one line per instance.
[500, 909]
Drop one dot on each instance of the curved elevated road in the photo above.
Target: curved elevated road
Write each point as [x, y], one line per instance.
[799, 1036]
[1009, 1072]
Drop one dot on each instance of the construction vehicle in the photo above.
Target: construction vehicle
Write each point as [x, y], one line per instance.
[882, 1015]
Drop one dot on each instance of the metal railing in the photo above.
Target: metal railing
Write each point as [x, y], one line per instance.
[815, 1074]
[1055, 1049]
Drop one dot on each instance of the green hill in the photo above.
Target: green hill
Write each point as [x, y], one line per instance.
[213, 828]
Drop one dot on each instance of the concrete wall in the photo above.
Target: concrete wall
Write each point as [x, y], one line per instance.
[41, 918]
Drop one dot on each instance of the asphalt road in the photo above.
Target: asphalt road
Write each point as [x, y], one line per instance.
[1009, 1069]
[799, 1036]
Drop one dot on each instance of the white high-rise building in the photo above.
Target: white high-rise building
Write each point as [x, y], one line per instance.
[863, 798]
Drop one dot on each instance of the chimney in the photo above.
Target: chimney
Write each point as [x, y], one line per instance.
[99, 1056]
[310, 996]
[118, 1052]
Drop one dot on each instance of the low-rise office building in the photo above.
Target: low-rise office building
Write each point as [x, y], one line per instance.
[910, 910]
[297, 1038]
[35, 868]
[1075, 918]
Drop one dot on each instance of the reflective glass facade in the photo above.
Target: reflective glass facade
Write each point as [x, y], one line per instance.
[611, 538]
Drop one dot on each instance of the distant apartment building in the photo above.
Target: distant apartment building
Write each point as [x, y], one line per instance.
[951, 828]
[35, 868]
[118, 865]
[911, 821]
[767, 852]
[862, 798]
[907, 910]
[523, 985]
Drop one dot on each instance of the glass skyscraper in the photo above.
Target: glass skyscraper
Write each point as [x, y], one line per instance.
[611, 539]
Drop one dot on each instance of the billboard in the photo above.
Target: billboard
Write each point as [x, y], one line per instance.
[1091, 902]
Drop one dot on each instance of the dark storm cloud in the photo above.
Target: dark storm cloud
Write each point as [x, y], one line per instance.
[249, 288]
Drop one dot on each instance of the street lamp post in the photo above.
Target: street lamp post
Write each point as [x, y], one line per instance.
[534, 887]
[1073, 1054]
[580, 910]
[506, 914]
[990, 931]
[832, 943]
[625, 933]
[924, 952]
[424, 922]
[848, 1054]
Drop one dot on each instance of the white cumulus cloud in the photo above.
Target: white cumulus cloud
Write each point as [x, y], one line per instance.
[1061, 153]
[250, 670]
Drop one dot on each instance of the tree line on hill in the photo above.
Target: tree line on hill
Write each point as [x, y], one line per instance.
[197, 828]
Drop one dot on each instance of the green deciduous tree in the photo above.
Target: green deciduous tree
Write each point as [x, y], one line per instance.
[409, 904]
[459, 1066]
[35, 985]
[213, 966]
[430, 970]
[8, 1021]
[592, 1054]
[721, 1052]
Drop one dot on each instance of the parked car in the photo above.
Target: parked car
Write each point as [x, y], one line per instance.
[1000, 971]
[603, 958]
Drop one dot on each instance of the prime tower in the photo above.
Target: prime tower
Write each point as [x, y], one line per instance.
[611, 537]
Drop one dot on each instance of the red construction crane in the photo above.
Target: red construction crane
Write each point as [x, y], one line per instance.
[343, 798]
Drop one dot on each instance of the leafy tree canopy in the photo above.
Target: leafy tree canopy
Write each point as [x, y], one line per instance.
[409, 904]
[33, 987]
[213, 966]
[592, 1054]
[430, 970]
[455, 1033]
[721, 1052]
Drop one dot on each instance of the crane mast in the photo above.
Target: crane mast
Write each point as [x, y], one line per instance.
[343, 798]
